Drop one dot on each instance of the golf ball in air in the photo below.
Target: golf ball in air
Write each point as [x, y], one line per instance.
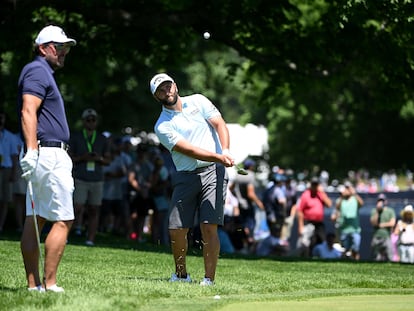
[206, 35]
[217, 297]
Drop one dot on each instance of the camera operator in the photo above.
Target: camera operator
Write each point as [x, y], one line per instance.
[383, 221]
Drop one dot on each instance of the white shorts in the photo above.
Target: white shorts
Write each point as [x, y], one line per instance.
[52, 186]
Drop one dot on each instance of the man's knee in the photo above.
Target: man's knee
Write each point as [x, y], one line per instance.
[178, 233]
[63, 224]
[208, 231]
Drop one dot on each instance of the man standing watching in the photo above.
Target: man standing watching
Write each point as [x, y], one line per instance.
[310, 213]
[192, 129]
[347, 218]
[244, 187]
[90, 151]
[46, 163]
[383, 220]
[8, 166]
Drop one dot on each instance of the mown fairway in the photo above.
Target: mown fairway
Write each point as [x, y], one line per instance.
[122, 275]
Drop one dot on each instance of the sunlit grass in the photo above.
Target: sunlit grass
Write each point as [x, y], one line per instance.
[123, 275]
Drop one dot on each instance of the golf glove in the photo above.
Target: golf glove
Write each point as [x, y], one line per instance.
[28, 163]
[227, 153]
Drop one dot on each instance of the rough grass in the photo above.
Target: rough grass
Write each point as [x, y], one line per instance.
[121, 275]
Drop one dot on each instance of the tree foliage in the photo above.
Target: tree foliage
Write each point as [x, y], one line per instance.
[332, 80]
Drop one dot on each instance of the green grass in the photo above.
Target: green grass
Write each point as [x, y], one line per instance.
[121, 275]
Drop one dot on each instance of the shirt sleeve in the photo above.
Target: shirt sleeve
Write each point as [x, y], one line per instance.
[167, 135]
[207, 107]
[34, 83]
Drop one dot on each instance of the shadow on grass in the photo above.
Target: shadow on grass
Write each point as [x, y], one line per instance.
[143, 278]
[107, 240]
[4, 288]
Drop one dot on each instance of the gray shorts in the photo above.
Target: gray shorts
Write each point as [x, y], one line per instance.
[90, 192]
[20, 185]
[198, 197]
[381, 247]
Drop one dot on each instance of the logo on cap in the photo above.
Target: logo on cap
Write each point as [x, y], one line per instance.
[157, 80]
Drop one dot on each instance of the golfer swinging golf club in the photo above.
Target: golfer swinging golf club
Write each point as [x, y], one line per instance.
[192, 129]
[46, 164]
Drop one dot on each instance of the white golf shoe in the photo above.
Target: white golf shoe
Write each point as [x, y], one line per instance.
[206, 282]
[38, 288]
[55, 289]
[175, 278]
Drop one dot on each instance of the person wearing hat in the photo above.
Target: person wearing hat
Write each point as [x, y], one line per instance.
[46, 163]
[405, 232]
[8, 167]
[195, 133]
[90, 152]
[382, 219]
[347, 219]
[274, 202]
[291, 204]
[244, 187]
[310, 213]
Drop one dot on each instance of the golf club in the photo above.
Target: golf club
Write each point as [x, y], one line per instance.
[241, 171]
[30, 190]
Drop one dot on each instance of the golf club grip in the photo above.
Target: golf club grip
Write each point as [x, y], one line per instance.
[30, 189]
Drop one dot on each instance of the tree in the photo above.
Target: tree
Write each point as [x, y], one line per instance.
[332, 80]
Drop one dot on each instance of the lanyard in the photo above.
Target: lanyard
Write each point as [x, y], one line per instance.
[89, 143]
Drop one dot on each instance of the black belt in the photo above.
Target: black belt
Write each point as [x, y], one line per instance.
[54, 144]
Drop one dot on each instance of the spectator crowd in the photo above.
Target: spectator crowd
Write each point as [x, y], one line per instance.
[316, 203]
[123, 188]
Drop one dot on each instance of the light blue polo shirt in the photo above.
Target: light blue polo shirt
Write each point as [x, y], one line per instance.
[190, 124]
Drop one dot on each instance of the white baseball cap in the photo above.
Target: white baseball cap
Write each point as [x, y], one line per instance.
[53, 34]
[88, 113]
[157, 80]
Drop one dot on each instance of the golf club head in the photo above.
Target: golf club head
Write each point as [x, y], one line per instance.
[241, 171]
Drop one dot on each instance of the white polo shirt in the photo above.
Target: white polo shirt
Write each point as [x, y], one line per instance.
[190, 124]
